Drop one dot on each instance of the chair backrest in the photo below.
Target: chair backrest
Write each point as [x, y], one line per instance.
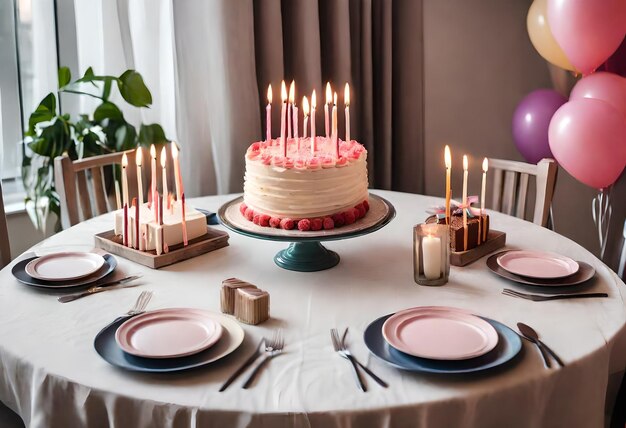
[510, 187]
[5, 248]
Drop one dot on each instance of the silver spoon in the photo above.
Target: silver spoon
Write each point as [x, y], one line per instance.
[531, 334]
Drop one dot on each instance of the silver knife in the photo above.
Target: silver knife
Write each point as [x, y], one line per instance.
[111, 285]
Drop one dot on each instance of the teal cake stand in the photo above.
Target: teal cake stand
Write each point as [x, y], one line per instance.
[305, 252]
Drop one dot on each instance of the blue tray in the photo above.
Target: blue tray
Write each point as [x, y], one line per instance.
[509, 345]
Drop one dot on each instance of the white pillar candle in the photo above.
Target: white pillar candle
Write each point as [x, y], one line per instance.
[346, 98]
[431, 256]
[268, 115]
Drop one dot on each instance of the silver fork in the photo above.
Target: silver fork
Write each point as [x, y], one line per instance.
[273, 348]
[543, 298]
[346, 351]
[339, 348]
[139, 307]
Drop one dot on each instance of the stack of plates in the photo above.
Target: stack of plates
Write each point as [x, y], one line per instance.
[540, 268]
[64, 270]
[437, 339]
[168, 340]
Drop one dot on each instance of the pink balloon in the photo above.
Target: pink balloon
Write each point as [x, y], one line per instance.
[603, 86]
[588, 31]
[588, 139]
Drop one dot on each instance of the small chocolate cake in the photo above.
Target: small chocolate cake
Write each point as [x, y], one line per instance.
[476, 230]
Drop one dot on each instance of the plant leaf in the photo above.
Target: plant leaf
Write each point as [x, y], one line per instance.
[151, 134]
[65, 75]
[46, 110]
[125, 137]
[107, 110]
[133, 89]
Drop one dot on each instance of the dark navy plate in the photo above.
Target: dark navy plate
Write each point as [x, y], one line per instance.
[19, 272]
[107, 348]
[211, 217]
[509, 345]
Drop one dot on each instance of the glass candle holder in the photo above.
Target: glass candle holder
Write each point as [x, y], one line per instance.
[431, 253]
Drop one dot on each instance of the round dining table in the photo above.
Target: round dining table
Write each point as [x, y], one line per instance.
[51, 375]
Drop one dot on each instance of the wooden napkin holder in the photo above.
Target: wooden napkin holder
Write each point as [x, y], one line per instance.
[245, 301]
[495, 240]
[212, 240]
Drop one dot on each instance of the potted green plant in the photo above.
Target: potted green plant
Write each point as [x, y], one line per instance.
[52, 133]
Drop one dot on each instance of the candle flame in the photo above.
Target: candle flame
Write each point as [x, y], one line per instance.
[485, 165]
[465, 163]
[305, 106]
[329, 93]
[138, 156]
[313, 100]
[269, 93]
[335, 99]
[152, 151]
[283, 91]
[124, 160]
[346, 95]
[292, 92]
[174, 150]
[163, 157]
[448, 157]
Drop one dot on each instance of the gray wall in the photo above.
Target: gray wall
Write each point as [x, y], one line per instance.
[479, 63]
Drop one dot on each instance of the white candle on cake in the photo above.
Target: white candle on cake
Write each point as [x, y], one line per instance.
[431, 256]
[292, 94]
[305, 111]
[346, 97]
[124, 179]
[329, 99]
[333, 132]
[268, 115]
[177, 176]
[153, 165]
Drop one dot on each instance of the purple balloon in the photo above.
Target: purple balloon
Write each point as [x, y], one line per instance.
[531, 121]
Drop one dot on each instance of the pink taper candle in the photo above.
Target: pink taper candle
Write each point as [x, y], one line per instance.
[164, 172]
[292, 94]
[138, 160]
[283, 116]
[313, 106]
[346, 98]
[305, 111]
[329, 99]
[177, 175]
[268, 115]
[333, 131]
[153, 184]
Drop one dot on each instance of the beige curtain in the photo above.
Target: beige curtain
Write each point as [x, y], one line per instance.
[374, 45]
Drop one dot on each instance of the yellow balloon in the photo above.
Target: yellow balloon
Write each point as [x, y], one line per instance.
[541, 35]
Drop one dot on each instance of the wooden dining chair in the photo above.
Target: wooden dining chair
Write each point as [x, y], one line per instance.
[510, 187]
[5, 248]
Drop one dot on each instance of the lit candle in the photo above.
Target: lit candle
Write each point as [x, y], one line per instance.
[448, 162]
[178, 179]
[283, 115]
[305, 110]
[138, 159]
[431, 255]
[124, 179]
[268, 115]
[346, 97]
[313, 106]
[482, 196]
[329, 99]
[292, 94]
[464, 201]
[333, 131]
[153, 184]
[164, 171]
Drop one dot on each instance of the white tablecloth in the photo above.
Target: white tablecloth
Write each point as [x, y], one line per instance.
[51, 375]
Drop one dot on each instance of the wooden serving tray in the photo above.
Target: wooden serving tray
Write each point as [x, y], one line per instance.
[495, 240]
[212, 240]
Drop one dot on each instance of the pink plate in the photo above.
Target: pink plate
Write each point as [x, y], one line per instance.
[66, 266]
[440, 333]
[537, 264]
[168, 333]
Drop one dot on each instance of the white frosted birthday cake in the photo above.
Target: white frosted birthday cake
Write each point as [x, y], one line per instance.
[303, 190]
[160, 237]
